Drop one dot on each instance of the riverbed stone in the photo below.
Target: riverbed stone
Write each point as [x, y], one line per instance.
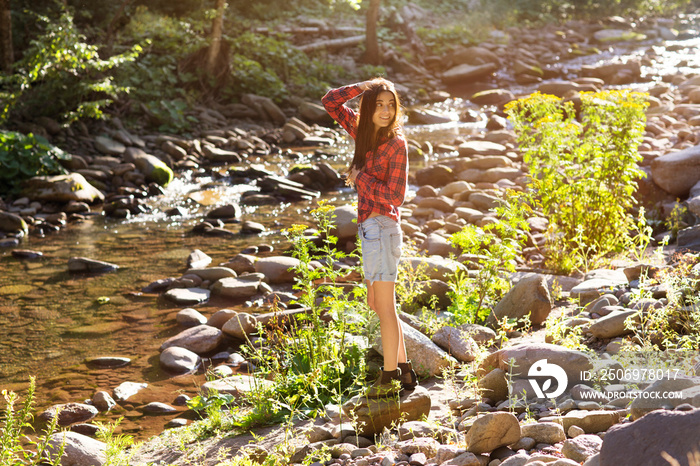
[591, 421]
[436, 268]
[494, 385]
[476, 148]
[109, 146]
[61, 189]
[457, 343]
[277, 269]
[69, 413]
[198, 260]
[529, 297]
[240, 326]
[11, 223]
[688, 386]
[582, 447]
[544, 432]
[235, 385]
[156, 407]
[154, 169]
[107, 362]
[220, 317]
[200, 339]
[126, 390]
[78, 449]
[187, 296]
[492, 430]
[465, 73]
[677, 172]
[87, 265]
[613, 324]
[373, 415]
[237, 288]
[428, 359]
[641, 442]
[212, 273]
[189, 317]
[103, 401]
[179, 359]
[344, 222]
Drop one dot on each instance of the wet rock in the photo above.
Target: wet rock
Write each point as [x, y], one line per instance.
[179, 359]
[9, 243]
[27, 254]
[198, 260]
[61, 189]
[157, 407]
[492, 430]
[187, 296]
[457, 343]
[252, 228]
[641, 442]
[212, 274]
[374, 415]
[127, 389]
[78, 449]
[201, 339]
[69, 413]
[582, 447]
[103, 401]
[111, 362]
[225, 211]
[428, 359]
[86, 265]
[529, 297]
[154, 169]
[236, 385]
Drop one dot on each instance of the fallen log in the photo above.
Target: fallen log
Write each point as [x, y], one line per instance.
[332, 44]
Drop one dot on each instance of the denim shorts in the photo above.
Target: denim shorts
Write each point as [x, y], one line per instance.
[381, 240]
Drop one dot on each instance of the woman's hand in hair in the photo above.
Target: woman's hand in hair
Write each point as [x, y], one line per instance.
[365, 85]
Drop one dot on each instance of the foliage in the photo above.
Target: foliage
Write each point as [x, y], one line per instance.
[24, 156]
[582, 173]
[494, 247]
[14, 448]
[61, 76]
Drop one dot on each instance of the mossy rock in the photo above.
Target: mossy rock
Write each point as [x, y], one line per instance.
[161, 174]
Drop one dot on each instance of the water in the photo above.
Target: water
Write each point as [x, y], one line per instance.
[51, 320]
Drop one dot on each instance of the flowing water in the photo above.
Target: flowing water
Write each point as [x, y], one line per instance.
[51, 321]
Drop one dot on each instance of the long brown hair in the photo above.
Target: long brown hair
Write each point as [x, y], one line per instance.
[366, 140]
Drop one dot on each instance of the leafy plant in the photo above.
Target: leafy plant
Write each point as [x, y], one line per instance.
[17, 450]
[61, 76]
[495, 247]
[24, 156]
[583, 173]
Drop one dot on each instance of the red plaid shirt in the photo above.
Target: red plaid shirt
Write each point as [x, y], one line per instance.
[381, 184]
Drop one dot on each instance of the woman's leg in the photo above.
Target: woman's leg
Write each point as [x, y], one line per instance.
[381, 299]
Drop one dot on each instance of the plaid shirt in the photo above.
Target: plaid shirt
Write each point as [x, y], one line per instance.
[381, 184]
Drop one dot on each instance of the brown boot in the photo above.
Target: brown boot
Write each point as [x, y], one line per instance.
[387, 384]
[409, 380]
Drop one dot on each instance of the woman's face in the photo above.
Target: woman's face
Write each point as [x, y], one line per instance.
[385, 111]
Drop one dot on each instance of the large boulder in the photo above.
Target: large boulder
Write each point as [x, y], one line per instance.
[10, 223]
[62, 189]
[371, 416]
[200, 339]
[492, 430]
[677, 172]
[529, 297]
[277, 269]
[642, 442]
[78, 449]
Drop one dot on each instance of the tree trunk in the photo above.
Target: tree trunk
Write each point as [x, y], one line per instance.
[7, 57]
[372, 55]
[216, 33]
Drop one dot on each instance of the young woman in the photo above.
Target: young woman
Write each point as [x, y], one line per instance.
[379, 172]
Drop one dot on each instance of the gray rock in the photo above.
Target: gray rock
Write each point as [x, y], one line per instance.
[427, 117]
[201, 339]
[78, 449]
[457, 343]
[373, 415]
[642, 442]
[494, 385]
[69, 413]
[240, 326]
[530, 296]
[237, 288]
[109, 146]
[212, 273]
[492, 430]
[187, 296]
[677, 172]
[198, 260]
[582, 447]
[427, 446]
[435, 175]
[465, 459]
[86, 265]
[472, 148]
[220, 317]
[189, 317]
[428, 359]
[516, 460]
[277, 269]
[157, 407]
[127, 389]
[653, 398]
[613, 324]
[179, 359]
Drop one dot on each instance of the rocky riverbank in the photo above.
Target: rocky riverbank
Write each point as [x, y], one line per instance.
[446, 421]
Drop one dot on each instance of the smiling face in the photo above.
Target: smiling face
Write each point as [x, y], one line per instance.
[385, 110]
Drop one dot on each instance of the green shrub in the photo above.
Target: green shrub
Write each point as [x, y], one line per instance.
[24, 156]
[61, 76]
[583, 173]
